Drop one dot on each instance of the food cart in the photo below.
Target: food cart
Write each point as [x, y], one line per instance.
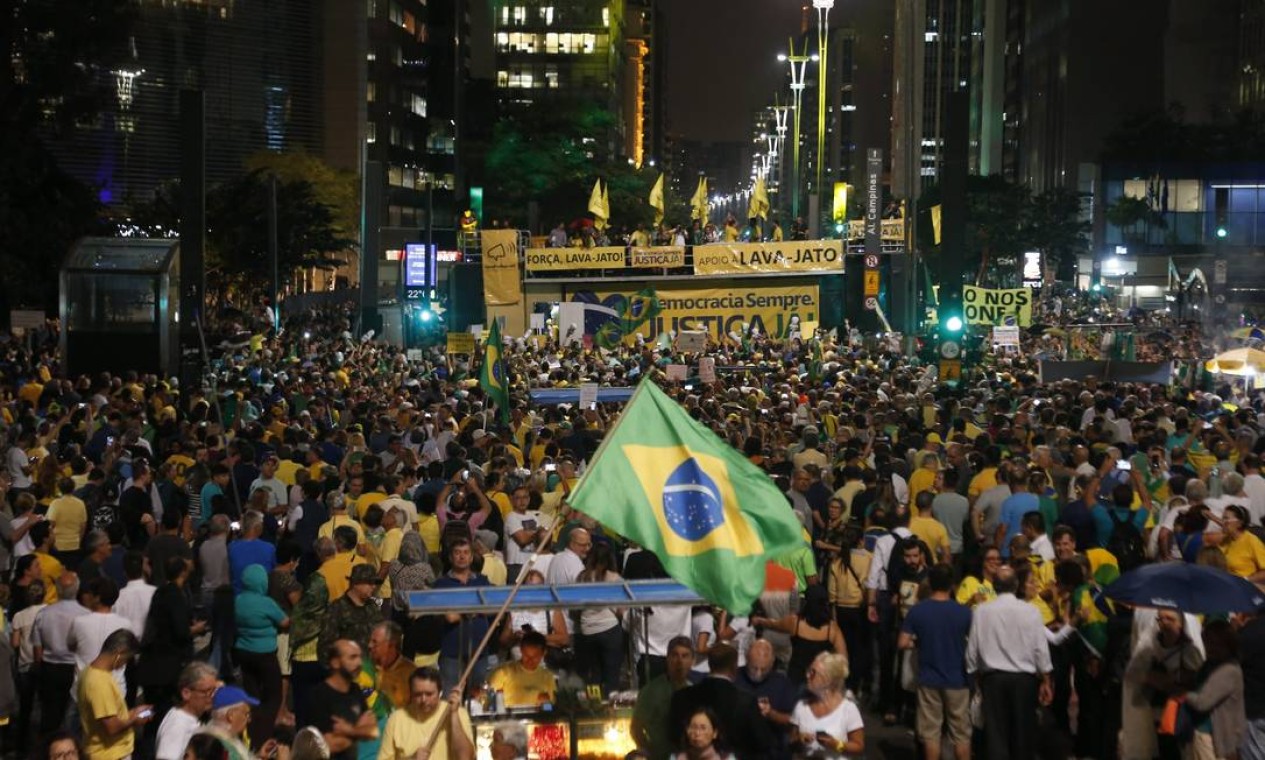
[582, 723]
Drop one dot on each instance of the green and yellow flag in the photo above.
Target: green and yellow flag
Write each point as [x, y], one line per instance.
[599, 206]
[667, 482]
[492, 375]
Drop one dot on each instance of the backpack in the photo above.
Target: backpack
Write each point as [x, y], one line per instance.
[896, 561]
[1125, 542]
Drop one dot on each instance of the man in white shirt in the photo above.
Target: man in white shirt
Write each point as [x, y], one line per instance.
[522, 531]
[394, 485]
[278, 493]
[1008, 653]
[569, 563]
[89, 632]
[1254, 487]
[196, 687]
[136, 596]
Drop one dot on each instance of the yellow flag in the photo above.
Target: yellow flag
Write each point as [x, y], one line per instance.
[699, 201]
[597, 206]
[606, 203]
[656, 200]
[935, 223]
[759, 204]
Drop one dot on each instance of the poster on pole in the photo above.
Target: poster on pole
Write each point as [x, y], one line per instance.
[692, 340]
[707, 369]
[1007, 335]
[588, 395]
[460, 343]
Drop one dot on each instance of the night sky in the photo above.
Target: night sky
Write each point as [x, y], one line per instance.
[722, 63]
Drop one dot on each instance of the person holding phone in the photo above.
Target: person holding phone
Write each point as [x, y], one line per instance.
[109, 727]
[827, 721]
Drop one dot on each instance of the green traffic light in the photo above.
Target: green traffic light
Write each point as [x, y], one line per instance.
[953, 324]
[1222, 232]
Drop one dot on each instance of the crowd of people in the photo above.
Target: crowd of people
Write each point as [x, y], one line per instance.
[225, 570]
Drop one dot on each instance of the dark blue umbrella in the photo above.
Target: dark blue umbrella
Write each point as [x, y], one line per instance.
[1189, 588]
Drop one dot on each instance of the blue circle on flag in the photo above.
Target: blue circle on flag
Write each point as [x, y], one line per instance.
[691, 502]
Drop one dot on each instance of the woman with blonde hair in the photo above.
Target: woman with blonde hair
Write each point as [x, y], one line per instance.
[827, 721]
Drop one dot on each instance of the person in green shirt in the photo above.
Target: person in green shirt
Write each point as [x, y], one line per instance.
[650, 726]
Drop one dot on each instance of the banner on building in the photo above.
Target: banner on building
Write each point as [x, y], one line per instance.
[987, 306]
[775, 310]
[890, 230]
[657, 257]
[786, 257]
[567, 259]
[502, 284]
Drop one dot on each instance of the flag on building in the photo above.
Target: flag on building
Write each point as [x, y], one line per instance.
[670, 484]
[935, 223]
[698, 202]
[656, 200]
[493, 378]
[598, 206]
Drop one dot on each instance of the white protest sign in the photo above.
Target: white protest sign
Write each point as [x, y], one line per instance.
[707, 369]
[676, 372]
[588, 395]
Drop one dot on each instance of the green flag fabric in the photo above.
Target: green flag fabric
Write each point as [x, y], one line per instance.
[492, 375]
[667, 482]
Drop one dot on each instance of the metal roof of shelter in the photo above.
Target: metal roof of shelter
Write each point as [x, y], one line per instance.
[488, 599]
[123, 255]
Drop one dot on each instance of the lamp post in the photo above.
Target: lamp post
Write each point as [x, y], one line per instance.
[799, 65]
[780, 115]
[823, 45]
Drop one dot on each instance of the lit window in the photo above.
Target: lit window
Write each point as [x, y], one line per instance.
[395, 176]
[502, 41]
[395, 135]
[505, 16]
[551, 77]
[546, 15]
[371, 92]
[590, 42]
[502, 78]
[419, 105]
[373, 8]
[606, 17]
[372, 134]
[520, 15]
[551, 43]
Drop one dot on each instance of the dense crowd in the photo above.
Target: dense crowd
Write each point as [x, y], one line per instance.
[224, 571]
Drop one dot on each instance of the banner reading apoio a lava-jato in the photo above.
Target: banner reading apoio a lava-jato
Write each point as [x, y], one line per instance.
[987, 306]
[772, 309]
[786, 257]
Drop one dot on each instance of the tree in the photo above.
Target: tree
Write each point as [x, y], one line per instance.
[337, 190]
[1128, 213]
[1058, 229]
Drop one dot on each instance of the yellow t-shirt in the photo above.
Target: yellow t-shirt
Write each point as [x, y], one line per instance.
[970, 586]
[99, 698]
[286, 470]
[1244, 555]
[388, 552]
[179, 463]
[932, 533]
[52, 569]
[337, 521]
[983, 480]
[922, 480]
[428, 529]
[522, 687]
[337, 569]
[69, 515]
[502, 501]
[494, 569]
[367, 500]
[404, 734]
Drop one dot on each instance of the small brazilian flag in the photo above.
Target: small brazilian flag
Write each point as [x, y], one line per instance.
[670, 484]
[492, 375]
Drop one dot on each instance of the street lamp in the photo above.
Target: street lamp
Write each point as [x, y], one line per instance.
[823, 45]
[799, 65]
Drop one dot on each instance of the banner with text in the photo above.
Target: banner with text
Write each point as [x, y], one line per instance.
[890, 230]
[786, 257]
[986, 306]
[565, 259]
[774, 310]
[657, 257]
[501, 281]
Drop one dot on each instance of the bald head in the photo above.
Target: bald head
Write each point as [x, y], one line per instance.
[1006, 582]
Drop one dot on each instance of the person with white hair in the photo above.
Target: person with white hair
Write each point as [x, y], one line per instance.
[509, 741]
[196, 686]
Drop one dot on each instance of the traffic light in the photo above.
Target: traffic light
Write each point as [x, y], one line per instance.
[1222, 231]
[953, 324]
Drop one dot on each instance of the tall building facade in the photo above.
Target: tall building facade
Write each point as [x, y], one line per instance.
[257, 62]
[549, 51]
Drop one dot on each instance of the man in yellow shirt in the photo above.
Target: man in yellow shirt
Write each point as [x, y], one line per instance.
[526, 682]
[409, 728]
[338, 568]
[108, 726]
[42, 536]
[392, 670]
[929, 529]
[924, 479]
[69, 516]
[338, 518]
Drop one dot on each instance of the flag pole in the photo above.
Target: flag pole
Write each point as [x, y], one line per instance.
[442, 723]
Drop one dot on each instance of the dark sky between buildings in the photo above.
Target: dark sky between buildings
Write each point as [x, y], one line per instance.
[722, 63]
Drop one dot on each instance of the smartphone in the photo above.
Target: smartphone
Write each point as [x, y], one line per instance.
[465, 475]
[109, 441]
[146, 713]
[551, 467]
[593, 406]
[235, 525]
[1124, 464]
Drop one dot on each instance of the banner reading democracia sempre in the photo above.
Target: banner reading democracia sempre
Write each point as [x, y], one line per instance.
[772, 309]
[786, 257]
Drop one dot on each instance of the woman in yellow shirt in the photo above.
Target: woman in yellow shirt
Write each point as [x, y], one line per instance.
[1244, 552]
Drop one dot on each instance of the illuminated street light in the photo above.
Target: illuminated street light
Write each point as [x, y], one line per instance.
[799, 65]
[823, 46]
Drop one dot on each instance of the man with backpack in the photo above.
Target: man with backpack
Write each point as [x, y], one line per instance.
[1119, 528]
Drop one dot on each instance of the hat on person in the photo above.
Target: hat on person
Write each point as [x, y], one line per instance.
[228, 696]
[478, 434]
[363, 574]
[934, 438]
